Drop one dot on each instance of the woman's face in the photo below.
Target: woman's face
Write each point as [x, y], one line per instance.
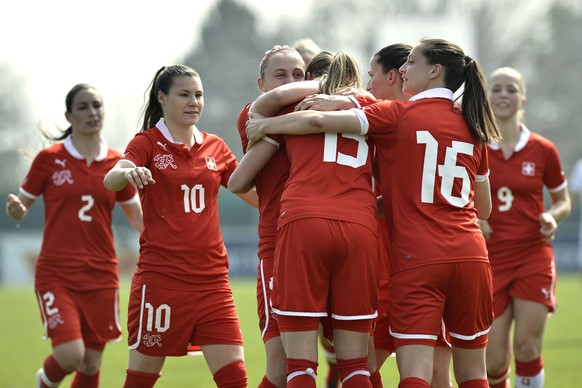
[184, 103]
[379, 84]
[415, 72]
[86, 115]
[282, 68]
[505, 95]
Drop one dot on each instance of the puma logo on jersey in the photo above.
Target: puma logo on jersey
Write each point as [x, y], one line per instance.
[211, 163]
[163, 145]
[62, 177]
[163, 161]
[528, 168]
[546, 293]
[61, 162]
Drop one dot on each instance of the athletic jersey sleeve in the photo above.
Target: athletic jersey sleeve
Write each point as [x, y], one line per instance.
[554, 177]
[36, 180]
[139, 150]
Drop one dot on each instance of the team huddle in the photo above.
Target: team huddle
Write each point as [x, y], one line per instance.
[394, 218]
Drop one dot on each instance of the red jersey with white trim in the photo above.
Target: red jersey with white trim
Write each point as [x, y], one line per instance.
[181, 246]
[428, 161]
[269, 182]
[517, 192]
[77, 248]
[330, 177]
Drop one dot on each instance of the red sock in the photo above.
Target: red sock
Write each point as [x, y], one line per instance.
[413, 382]
[53, 371]
[531, 368]
[135, 379]
[376, 379]
[354, 372]
[477, 383]
[499, 381]
[233, 375]
[301, 373]
[265, 383]
[82, 380]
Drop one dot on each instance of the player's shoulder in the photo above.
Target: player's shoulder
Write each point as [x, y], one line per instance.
[536, 138]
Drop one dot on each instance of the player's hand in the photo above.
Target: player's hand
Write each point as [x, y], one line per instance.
[15, 208]
[548, 226]
[139, 177]
[322, 102]
[485, 229]
[254, 128]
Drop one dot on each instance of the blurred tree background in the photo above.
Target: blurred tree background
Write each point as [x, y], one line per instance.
[541, 38]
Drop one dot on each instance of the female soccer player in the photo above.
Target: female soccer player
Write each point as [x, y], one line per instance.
[519, 233]
[327, 244]
[180, 292]
[279, 65]
[433, 172]
[76, 278]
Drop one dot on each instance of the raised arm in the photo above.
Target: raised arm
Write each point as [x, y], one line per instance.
[304, 123]
[268, 104]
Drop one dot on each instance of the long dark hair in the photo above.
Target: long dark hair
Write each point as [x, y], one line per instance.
[460, 68]
[69, 107]
[393, 56]
[162, 82]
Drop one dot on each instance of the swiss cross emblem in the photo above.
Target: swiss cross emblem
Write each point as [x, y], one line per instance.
[211, 163]
[528, 168]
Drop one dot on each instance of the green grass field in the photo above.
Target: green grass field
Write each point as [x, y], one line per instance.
[22, 351]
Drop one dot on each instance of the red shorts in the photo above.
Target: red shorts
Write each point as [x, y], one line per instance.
[70, 315]
[382, 338]
[162, 322]
[324, 265]
[458, 294]
[534, 281]
[267, 318]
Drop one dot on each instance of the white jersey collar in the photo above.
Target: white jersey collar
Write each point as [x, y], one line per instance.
[521, 142]
[433, 93]
[161, 125]
[77, 155]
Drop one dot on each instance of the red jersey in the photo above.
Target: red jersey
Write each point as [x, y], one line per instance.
[517, 192]
[428, 161]
[77, 248]
[181, 246]
[269, 183]
[330, 177]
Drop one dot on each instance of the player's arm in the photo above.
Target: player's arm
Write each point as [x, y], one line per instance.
[482, 199]
[305, 122]
[241, 180]
[250, 197]
[17, 206]
[125, 172]
[560, 209]
[268, 104]
[134, 214]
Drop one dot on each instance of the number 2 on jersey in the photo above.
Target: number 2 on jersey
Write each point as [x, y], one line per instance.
[83, 216]
[447, 171]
